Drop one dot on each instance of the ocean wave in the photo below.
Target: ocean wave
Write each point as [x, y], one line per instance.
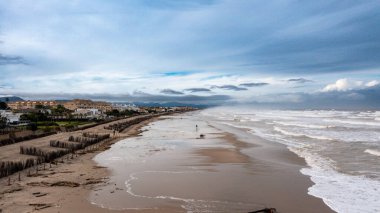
[372, 152]
[311, 126]
[236, 126]
[344, 193]
[362, 123]
[284, 132]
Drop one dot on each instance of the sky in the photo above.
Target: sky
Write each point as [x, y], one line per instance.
[300, 53]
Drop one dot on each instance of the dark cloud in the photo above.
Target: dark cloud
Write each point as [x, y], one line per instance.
[360, 99]
[171, 92]
[299, 80]
[253, 84]
[5, 60]
[198, 90]
[330, 37]
[230, 87]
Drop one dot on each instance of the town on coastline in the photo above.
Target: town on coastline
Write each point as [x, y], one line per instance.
[22, 120]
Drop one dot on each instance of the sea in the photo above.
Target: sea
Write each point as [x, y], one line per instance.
[341, 149]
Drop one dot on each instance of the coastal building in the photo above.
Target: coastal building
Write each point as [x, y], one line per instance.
[88, 113]
[22, 105]
[88, 104]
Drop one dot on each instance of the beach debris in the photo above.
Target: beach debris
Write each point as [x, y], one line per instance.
[11, 190]
[91, 181]
[201, 136]
[39, 194]
[58, 183]
[67, 172]
[265, 210]
[39, 206]
[66, 183]
[43, 183]
[99, 167]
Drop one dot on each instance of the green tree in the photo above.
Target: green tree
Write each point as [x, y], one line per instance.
[34, 116]
[3, 122]
[60, 110]
[3, 105]
[114, 112]
[33, 126]
[39, 106]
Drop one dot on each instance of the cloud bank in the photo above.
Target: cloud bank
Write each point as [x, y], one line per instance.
[171, 92]
[170, 49]
[346, 85]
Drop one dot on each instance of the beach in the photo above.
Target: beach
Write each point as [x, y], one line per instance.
[163, 165]
[35, 193]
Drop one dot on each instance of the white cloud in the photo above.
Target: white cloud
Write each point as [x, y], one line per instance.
[372, 83]
[346, 85]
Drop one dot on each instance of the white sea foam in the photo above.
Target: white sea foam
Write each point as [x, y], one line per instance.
[278, 129]
[115, 158]
[236, 126]
[372, 152]
[345, 193]
[353, 122]
[304, 125]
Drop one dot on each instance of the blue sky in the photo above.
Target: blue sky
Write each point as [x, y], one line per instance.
[229, 50]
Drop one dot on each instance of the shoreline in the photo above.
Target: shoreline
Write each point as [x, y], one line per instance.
[91, 176]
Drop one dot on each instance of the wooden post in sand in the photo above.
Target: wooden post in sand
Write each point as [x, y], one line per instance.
[9, 181]
[19, 176]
